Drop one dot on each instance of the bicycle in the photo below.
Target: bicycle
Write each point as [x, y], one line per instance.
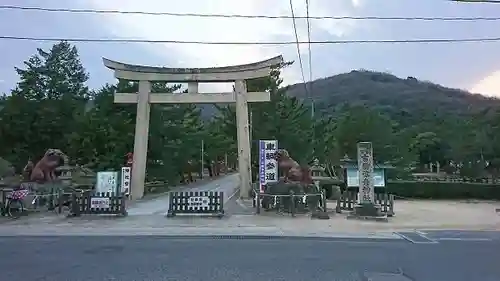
[13, 206]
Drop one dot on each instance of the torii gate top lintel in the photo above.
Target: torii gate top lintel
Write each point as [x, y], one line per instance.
[209, 74]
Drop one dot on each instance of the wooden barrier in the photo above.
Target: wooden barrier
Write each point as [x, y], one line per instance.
[196, 202]
[104, 203]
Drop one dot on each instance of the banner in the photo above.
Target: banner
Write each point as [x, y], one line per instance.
[268, 166]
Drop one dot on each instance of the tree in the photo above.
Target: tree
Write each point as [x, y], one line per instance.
[429, 148]
[105, 133]
[358, 124]
[51, 93]
[284, 118]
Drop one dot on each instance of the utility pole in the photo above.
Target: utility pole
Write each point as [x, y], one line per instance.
[312, 120]
[202, 159]
[250, 128]
[225, 162]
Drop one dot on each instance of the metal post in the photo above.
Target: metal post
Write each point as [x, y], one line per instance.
[202, 159]
[225, 163]
[250, 131]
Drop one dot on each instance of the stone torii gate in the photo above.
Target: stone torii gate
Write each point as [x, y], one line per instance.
[144, 98]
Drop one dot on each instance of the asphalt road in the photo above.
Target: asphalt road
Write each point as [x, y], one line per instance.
[161, 258]
[159, 206]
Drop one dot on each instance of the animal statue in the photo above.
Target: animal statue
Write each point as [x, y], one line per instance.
[45, 169]
[291, 169]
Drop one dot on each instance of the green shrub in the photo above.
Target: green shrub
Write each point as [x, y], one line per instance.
[6, 169]
[444, 190]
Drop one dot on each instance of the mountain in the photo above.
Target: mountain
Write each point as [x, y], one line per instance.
[401, 98]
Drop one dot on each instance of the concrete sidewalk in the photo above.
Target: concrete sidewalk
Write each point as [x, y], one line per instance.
[148, 219]
[238, 225]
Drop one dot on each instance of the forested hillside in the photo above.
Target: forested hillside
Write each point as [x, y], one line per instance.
[402, 99]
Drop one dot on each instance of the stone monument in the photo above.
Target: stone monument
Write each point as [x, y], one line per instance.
[366, 207]
[193, 76]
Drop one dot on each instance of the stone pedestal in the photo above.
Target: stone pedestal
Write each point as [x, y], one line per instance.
[367, 211]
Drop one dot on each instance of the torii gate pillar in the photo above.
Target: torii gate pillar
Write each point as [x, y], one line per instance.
[141, 140]
[146, 74]
[243, 136]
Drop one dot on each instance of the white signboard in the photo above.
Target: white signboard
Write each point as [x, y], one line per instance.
[107, 182]
[353, 179]
[365, 170]
[268, 166]
[198, 201]
[125, 180]
[99, 202]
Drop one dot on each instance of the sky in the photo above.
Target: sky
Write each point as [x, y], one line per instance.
[470, 66]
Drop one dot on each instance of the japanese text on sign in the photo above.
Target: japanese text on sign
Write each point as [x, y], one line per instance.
[365, 166]
[125, 180]
[198, 201]
[268, 166]
[99, 203]
[107, 182]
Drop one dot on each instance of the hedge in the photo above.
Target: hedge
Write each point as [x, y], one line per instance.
[443, 190]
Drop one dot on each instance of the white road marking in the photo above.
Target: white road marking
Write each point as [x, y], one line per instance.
[463, 239]
[232, 195]
[421, 233]
[431, 241]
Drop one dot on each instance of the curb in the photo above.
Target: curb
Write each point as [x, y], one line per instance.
[199, 233]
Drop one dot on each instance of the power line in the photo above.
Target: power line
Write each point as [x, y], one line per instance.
[298, 47]
[477, 1]
[310, 59]
[200, 15]
[309, 39]
[263, 43]
[313, 135]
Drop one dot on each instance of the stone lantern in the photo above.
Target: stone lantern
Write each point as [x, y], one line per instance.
[316, 169]
[65, 177]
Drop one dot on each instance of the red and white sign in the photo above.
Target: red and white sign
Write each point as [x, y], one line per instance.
[130, 159]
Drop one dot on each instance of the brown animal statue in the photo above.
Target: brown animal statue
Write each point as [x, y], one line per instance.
[44, 169]
[291, 169]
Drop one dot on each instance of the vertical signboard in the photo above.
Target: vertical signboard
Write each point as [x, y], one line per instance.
[268, 166]
[365, 173]
[125, 180]
[107, 182]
